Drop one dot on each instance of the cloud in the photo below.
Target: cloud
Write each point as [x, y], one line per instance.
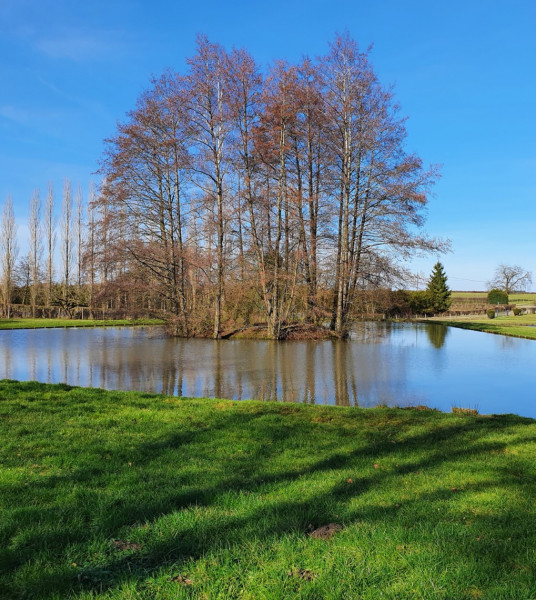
[80, 47]
[14, 113]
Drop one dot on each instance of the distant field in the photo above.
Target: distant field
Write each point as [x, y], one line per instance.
[523, 326]
[47, 323]
[520, 299]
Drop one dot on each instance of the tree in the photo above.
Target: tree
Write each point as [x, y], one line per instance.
[50, 235]
[210, 124]
[79, 230]
[143, 201]
[34, 255]
[511, 279]
[67, 236]
[438, 290]
[380, 191]
[9, 251]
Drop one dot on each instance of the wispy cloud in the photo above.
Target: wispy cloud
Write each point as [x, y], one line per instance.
[79, 46]
[14, 113]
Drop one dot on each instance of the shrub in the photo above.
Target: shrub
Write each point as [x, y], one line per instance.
[491, 313]
[458, 410]
[496, 296]
[421, 303]
[517, 312]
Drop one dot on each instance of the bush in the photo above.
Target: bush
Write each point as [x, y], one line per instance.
[421, 303]
[517, 312]
[496, 296]
[491, 313]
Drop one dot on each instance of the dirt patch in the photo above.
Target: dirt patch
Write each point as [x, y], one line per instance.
[182, 580]
[326, 531]
[124, 545]
[304, 574]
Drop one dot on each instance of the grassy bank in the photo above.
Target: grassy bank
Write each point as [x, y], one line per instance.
[45, 323]
[523, 326]
[130, 495]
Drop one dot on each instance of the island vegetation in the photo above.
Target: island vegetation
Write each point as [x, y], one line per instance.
[234, 196]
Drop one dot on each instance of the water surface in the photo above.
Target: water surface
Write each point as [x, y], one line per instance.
[397, 364]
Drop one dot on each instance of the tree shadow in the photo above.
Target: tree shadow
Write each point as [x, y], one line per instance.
[98, 509]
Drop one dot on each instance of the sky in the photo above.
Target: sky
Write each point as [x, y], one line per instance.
[464, 73]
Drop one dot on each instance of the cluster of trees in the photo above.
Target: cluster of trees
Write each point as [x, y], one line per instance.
[36, 278]
[231, 196]
[282, 196]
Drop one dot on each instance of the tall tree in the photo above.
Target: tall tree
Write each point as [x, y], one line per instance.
[437, 290]
[50, 240]
[34, 254]
[142, 198]
[279, 118]
[380, 189]
[89, 256]
[67, 237]
[9, 248]
[210, 122]
[79, 236]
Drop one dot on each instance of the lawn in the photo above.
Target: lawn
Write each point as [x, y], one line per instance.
[45, 323]
[129, 495]
[523, 326]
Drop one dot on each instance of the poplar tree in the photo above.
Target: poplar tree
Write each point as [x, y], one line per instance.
[9, 251]
[34, 255]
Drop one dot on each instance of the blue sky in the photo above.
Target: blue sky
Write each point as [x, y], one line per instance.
[464, 73]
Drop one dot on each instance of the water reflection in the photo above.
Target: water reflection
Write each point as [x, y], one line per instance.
[437, 334]
[383, 363]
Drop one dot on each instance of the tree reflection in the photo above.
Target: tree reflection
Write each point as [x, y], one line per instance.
[437, 334]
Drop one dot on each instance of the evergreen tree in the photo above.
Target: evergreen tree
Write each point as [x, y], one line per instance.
[438, 289]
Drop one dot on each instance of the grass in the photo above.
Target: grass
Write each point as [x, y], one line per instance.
[45, 323]
[123, 495]
[523, 326]
[519, 299]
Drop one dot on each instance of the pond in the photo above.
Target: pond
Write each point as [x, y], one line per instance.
[397, 364]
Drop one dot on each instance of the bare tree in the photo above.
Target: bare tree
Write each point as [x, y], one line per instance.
[9, 247]
[381, 190]
[143, 200]
[34, 254]
[89, 257]
[293, 190]
[210, 121]
[67, 237]
[50, 237]
[79, 234]
[510, 278]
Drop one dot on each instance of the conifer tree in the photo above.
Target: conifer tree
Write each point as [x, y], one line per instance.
[438, 290]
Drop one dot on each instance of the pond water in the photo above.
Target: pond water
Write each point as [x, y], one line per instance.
[397, 364]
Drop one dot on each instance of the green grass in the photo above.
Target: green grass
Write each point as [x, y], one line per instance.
[138, 496]
[45, 323]
[480, 295]
[518, 299]
[523, 326]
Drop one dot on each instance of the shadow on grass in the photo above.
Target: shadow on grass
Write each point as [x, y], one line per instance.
[255, 454]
